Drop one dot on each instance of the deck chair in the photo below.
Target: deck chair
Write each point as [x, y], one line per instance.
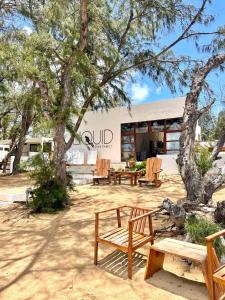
[129, 238]
[153, 169]
[102, 171]
[216, 272]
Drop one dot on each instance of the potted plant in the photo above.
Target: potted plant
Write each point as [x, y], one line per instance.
[131, 162]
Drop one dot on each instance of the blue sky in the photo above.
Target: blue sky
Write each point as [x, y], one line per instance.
[144, 90]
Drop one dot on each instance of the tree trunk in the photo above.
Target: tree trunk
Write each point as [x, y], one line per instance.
[199, 188]
[59, 153]
[26, 122]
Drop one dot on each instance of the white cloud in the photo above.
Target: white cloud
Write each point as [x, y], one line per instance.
[158, 90]
[27, 30]
[139, 92]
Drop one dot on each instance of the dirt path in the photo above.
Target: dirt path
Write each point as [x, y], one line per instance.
[51, 256]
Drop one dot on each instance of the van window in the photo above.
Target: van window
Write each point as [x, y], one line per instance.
[34, 147]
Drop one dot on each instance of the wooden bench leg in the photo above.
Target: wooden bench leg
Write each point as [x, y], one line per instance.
[154, 262]
[96, 253]
[130, 264]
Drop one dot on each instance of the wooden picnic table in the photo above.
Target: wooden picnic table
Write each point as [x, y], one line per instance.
[133, 175]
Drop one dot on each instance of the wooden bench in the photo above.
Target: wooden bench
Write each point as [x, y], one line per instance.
[194, 252]
[216, 272]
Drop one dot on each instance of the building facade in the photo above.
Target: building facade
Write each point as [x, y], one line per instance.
[144, 131]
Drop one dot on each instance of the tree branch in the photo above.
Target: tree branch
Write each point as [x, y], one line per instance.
[82, 44]
[180, 38]
[219, 145]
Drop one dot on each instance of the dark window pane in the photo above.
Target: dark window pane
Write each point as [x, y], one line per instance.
[174, 124]
[158, 125]
[142, 127]
[129, 127]
[47, 147]
[127, 147]
[127, 139]
[34, 147]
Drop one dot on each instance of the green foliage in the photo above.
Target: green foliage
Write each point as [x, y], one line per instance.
[49, 195]
[139, 166]
[220, 125]
[207, 124]
[199, 228]
[203, 160]
[211, 125]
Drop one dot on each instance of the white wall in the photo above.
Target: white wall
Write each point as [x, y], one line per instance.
[101, 127]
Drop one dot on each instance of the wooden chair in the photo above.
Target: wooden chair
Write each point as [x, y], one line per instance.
[216, 273]
[126, 239]
[153, 169]
[102, 171]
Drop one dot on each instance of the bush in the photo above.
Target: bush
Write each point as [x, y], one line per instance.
[139, 166]
[49, 195]
[203, 160]
[199, 228]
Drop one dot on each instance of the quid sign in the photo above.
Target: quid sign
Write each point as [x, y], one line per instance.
[97, 138]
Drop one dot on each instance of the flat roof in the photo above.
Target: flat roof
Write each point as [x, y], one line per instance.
[157, 110]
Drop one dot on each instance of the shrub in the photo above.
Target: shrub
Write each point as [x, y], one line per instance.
[139, 166]
[199, 228]
[203, 160]
[49, 197]
[49, 194]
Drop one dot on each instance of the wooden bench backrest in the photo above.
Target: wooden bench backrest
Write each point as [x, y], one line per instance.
[102, 167]
[214, 263]
[153, 166]
[139, 226]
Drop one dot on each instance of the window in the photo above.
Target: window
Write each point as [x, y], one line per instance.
[142, 127]
[173, 124]
[157, 125]
[47, 147]
[127, 128]
[127, 147]
[173, 136]
[34, 147]
[172, 146]
[127, 155]
[127, 139]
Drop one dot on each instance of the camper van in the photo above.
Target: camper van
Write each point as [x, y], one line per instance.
[4, 149]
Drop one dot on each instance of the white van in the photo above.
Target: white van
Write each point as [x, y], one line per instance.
[4, 149]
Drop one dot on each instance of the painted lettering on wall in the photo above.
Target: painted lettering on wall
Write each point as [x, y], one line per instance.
[97, 138]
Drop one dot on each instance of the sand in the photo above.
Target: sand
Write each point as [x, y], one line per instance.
[51, 256]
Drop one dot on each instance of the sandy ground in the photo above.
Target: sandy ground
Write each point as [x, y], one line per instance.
[51, 256]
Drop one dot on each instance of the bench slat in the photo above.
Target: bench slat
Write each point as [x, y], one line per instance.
[187, 250]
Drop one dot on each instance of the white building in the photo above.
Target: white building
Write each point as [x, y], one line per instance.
[146, 130]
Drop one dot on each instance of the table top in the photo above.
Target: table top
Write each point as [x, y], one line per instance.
[126, 172]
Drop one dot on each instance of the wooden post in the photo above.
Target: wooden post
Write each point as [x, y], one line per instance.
[96, 236]
[154, 262]
[130, 241]
[211, 287]
[150, 228]
[118, 217]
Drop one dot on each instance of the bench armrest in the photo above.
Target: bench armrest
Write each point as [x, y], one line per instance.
[104, 211]
[111, 209]
[215, 235]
